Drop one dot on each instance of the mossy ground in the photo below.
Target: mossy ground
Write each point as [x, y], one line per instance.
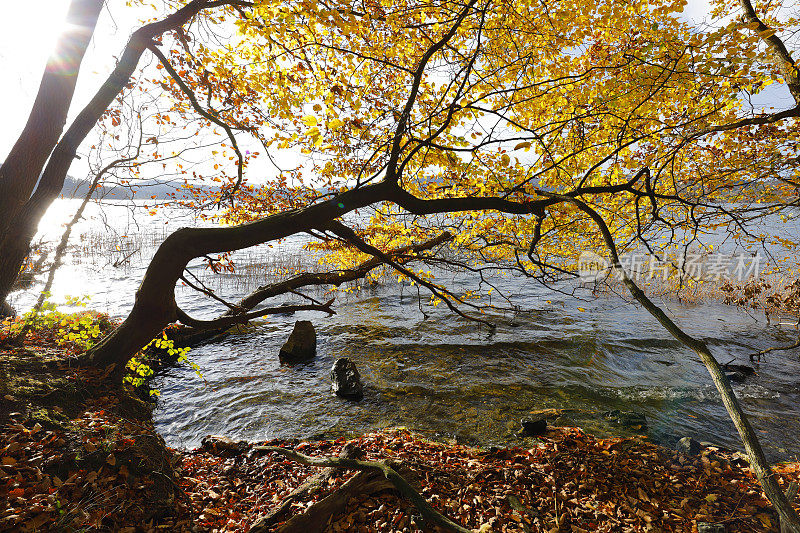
[77, 451]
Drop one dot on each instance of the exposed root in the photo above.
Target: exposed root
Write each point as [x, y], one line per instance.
[303, 492]
[365, 481]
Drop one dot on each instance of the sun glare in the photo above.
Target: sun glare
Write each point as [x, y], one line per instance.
[28, 35]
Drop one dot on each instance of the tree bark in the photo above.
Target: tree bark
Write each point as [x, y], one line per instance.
[22, 167]
[20, 171]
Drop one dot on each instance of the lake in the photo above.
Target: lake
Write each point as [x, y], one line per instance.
[435, 372]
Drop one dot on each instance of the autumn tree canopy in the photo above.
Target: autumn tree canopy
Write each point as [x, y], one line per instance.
[499, 107]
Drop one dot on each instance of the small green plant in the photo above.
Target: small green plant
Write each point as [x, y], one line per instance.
[140, 369]
[78, 331]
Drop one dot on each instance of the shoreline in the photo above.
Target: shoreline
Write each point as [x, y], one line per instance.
[80, 454]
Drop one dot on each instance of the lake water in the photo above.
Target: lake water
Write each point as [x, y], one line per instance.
[435, 372]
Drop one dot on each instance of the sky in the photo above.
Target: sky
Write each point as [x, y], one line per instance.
[25, 44]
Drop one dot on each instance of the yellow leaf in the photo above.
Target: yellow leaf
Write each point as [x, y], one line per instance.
[505, 160]
[309, 120]
[335, 124]
[581, 309]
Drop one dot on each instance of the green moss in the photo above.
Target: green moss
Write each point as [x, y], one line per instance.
[51, 418]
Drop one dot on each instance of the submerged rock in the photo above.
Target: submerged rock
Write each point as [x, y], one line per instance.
[536, 421]
[532, 427]
[743, 369]
[346, 380]
[224, 446]
[626, 419]
[735, 377]
[302, 343]
[738, 373]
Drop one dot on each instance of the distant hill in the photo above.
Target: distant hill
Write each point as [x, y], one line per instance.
[75, 188]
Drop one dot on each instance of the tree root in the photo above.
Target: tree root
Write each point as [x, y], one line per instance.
[313, 485]
[373, 476]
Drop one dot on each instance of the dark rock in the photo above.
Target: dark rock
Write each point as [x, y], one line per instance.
[224, 446]
[302, 343]
[742, 369]
[6, 310]
[735, 377]
[627, 419]
[536, 421]
[688, 446]
[707, 527]
[737, 373]
[533, 426]
[346, 380]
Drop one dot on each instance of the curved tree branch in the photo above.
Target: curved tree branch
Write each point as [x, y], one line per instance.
[778, 48]
[350, 236]
[15, 237]
[774, 349]
[229, 320]
[210, 114]
[394, 154]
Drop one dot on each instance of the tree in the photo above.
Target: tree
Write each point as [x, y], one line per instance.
[530, 132]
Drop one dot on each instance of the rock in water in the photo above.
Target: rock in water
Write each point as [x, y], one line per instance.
[742, 369]
[627, 419]
[534, 426]
[346, 380]
[735, 377]
[302, 343]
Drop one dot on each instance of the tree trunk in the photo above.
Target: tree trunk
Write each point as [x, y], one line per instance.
[20, 171]
[790, 522]
[22, 167]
